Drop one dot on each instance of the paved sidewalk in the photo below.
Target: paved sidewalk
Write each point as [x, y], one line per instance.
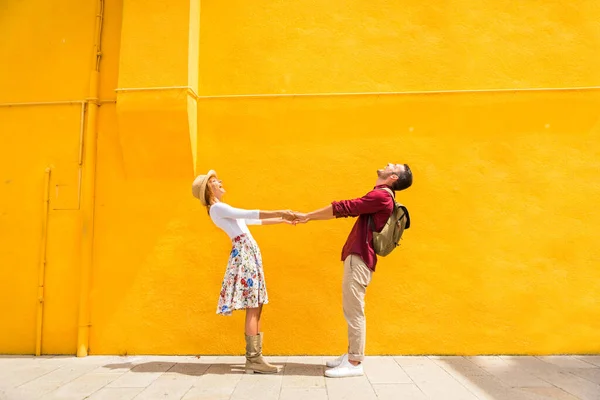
[188, 378]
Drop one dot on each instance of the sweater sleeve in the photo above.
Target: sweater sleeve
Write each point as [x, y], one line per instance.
[223, 210]
[370, 203]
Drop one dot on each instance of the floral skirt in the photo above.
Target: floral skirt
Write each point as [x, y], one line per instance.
[244, 282]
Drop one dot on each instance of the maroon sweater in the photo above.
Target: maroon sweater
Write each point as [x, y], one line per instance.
[377, 203]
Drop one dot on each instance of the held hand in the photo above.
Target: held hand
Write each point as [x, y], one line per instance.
[288, 215]
[300, 218]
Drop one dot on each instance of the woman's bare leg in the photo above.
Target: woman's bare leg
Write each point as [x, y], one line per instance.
[252, 321]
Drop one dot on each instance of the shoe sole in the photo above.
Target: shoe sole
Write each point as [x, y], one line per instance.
[345, 376]
[251, 371]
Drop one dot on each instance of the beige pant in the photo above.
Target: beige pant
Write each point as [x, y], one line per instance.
[357, 277]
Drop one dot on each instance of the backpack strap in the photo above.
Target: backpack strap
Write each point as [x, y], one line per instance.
[404, 209]
[407, 215]
[391, 192]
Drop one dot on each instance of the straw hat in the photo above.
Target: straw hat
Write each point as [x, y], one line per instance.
[199, 186]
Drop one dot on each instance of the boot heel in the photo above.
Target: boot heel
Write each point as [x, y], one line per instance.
[249, 371]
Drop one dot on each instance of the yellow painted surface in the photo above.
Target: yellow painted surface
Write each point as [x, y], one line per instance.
[159, 49]
[25, 151]
[50, 54]
[305, 46]
[49, 50]
[502, 255]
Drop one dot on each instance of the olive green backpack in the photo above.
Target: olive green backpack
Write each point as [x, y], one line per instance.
[385, 241]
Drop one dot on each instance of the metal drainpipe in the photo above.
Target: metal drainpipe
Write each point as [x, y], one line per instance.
[89, 191]
[42, 266]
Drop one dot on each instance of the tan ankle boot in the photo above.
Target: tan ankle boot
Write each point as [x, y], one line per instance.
[254, 360]
[260, 349]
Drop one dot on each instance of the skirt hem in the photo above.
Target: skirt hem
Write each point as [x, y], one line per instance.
[229, 312]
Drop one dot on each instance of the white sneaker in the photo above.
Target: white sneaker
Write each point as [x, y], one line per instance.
[345, 369]
[337, 361]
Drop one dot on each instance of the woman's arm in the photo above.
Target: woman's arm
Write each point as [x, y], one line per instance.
[269, 221]
[275, 221]
[226, 211]
[285, 214]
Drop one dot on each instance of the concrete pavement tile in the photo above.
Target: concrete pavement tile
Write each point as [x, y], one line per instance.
[168, 386]
[567, 362]
[258, 387]
[115, 367]
[549, 393]
[214, 393]
[437, 383]
[520, 378]
[192, 369]
[58, 360]
[97, 361]
[13, 361]
[404, 391]
[427, 373]
[411, 361]
[531, 364]
[490, 387]
[20, 356]
[277, 359]
[131, 379]
[115, 394]
[460, 365]
[400, 377]
[303, 393]
[384, 370]
[22, 374]
[312, 360]
[304, 373]
[574, 385]
[53, 380]
[350, 388]
[218, 382]
[142, 375]
[238, 360]
[82, 386]
[590, 359]
[592, 375]
[508, 372]
[206, 359]
[488, 362]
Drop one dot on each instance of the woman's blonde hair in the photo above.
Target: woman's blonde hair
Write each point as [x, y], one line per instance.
[208, 197]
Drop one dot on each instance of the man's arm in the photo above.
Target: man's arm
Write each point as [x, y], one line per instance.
[370, 203]
[320, 214]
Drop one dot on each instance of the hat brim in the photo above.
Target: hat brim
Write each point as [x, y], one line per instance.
[199, 186]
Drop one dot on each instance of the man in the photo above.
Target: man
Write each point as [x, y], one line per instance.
[359, 257]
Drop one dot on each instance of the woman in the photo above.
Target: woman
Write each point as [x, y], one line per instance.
[244, 283]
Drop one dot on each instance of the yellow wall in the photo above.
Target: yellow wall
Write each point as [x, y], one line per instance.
[339, 46]
[502, 255]
[48, 59]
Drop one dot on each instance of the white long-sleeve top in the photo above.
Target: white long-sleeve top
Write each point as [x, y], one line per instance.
[232, 220]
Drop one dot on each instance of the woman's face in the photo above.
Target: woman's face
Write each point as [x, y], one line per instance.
[216, 186]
